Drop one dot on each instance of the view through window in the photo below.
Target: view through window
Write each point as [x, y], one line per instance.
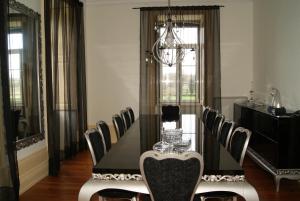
[15, 48]
[180, 82]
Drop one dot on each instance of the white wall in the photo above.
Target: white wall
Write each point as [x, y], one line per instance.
[33, 4]
[112, 38]
[277, 50]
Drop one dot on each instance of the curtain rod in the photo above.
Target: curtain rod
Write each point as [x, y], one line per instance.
[178, 7]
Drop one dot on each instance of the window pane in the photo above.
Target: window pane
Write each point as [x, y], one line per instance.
[188, 35]
[189, 57]
[184, 85]
[15, 41]
[168, 84]
[14, 61]
[188, 83]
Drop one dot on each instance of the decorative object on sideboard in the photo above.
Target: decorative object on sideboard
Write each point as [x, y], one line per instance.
[276, 107]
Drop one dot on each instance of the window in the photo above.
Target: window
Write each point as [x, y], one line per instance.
[15, 52]
[180, 83]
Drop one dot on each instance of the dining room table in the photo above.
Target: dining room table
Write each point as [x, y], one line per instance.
[119, 168]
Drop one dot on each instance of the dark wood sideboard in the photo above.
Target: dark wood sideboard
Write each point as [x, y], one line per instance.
[275, 140]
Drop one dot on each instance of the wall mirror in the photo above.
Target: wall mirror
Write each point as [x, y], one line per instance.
[25, 76]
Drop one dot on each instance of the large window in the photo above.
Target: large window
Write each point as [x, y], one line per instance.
[180, 83]
[15, 48]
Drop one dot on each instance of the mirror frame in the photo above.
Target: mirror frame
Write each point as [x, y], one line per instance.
[22, 143]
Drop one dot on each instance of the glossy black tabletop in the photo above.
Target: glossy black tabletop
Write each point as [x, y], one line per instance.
[145, 132]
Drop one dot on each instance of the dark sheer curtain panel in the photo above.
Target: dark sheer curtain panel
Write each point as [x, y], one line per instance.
[194, 81]
[9, 177]
[66, 89]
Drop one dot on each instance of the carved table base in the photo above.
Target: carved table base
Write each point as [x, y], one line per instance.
[236, 184]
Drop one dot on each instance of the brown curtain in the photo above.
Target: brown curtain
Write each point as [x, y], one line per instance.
[207, 19]
[9, 176]
[149, 71]
[65, 69]
[212, 59]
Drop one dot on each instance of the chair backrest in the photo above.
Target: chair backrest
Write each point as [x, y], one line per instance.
[217, 124]
[119, 125]
[210, 119]
[131, 113]
[126, 119]
[95, 144]
[104, 131]
[238, 143]
[204, 114]
[170, 112]
[225, 133]
[170, 176]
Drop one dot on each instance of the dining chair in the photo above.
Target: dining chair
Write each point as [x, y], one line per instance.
[238, 144]
[118, 125]
[170, 112]
[225, 133]
[104, 131]
[97, 151]
[95, 143]
[131, 114]
[126, 118]
[210, 119]
[218, 124]
[171, 176]
[205, 110]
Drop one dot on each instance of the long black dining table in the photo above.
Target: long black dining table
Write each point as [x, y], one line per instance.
[119, 168]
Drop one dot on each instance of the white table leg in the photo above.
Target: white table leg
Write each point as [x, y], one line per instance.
[242, 188]
[92, 186]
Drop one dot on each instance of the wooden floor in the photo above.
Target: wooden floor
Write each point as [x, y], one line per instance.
[75, 172]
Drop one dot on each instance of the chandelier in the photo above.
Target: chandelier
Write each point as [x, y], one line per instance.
[168, 49]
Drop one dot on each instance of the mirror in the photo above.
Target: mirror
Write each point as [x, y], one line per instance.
[25, 77]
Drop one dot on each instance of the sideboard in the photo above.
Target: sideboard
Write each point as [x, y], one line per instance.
[275, 140]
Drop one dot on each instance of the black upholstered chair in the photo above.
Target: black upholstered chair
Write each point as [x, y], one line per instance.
[210, 119]
[217, 124]
[96, 147]
[204, 114]
[118, 125]
[170, 112]
[170, 177]
[126, 118]
[131, 114]
[225, 133]
[104, 131]
[95, 144]
[238, 144]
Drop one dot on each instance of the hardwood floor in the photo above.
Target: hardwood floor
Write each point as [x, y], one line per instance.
[75, 172]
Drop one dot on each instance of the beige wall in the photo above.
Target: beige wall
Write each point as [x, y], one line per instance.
[112, 39]
[277, 50]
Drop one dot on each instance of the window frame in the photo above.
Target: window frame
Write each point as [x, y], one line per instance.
[179, 68]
